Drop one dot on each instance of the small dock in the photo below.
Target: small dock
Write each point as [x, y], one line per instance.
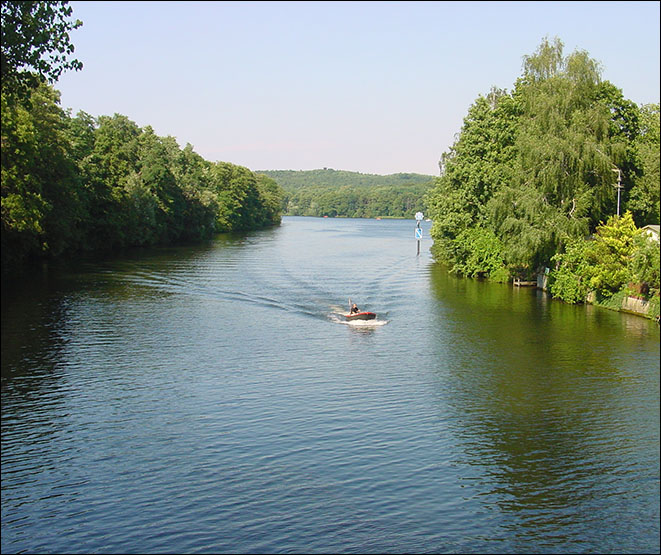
[517, 282]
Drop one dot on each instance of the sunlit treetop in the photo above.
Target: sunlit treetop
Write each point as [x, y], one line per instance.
[36, 45]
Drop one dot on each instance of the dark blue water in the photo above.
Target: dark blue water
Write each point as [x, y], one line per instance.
[212, 399]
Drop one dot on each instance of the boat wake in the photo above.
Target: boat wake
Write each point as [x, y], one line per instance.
[365, 323]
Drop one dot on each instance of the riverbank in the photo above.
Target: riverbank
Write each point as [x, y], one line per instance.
[620, 302]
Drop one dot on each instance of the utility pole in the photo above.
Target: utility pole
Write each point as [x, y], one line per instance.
[619, 188]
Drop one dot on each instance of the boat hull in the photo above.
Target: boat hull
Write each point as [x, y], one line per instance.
[361, 316]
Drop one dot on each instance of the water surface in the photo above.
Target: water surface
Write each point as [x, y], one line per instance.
[212, 399]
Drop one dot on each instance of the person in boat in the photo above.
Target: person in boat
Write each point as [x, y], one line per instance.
[354, 309]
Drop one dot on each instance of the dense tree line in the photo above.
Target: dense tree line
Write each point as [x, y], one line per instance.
[387, 201]
[72, 184]
[82, 183]
[328, 192]
[291, 180]
[533, 171]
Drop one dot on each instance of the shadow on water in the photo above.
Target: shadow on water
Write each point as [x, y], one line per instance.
[546, 401]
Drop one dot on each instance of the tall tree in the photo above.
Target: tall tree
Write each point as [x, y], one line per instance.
[36, 46]
[533, 170]
[564, 158]
[644, 195]
[43, 203]
[479, 164]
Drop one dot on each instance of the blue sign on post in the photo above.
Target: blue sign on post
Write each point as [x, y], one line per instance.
[418, 231]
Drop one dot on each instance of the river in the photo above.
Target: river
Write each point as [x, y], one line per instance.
[211, 399]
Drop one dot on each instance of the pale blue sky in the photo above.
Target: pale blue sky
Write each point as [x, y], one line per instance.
[374, 87]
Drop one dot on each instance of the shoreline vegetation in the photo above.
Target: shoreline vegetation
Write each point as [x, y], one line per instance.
[88, 184]
[558, 177]
[85, 184]
[341, 193]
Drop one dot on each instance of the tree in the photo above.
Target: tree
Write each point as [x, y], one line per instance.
[479, 254]
[618, 256]
[645, 194]
[645, 264]
[43, 205]
[569, 280]
[609, 256]
[478, 165]
[564, 156]
[36, 46]
[270, 194]
[534, 168]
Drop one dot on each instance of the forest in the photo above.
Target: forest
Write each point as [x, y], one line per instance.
[341, 193]
[80, 184]
[531, 183]
[291, 180]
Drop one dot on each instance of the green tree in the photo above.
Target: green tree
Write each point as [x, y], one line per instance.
[645, 263]
[618, 255]
[154, 168]
[43, 203]
[105, 172]
[645, 194]
[270, 195]
[192, 173]
[479, 253]
[36, 46]
[81, 131]
[569, 279]
[478, 165]
[535, 168]
[562, 177]
[245, 199]
[609, 255]
[84, 183]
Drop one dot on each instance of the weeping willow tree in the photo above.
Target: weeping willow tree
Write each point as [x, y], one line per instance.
[535, 168]
[567, 148]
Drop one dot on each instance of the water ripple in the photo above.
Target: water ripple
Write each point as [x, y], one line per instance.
[204, 400]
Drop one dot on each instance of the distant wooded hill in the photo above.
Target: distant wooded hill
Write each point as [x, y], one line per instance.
[340, 193]
[293, 179]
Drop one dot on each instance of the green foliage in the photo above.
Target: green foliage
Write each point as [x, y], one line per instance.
[42, 197]
[617, 258]
[569, 280]
[654, 310]
[609, 255]
[290, 180]
[334, 193]
[479, 163]
[536, 169]
[479, 253]
[645, 194]
[612, 302]
[270, 195]
[645, 263]
[35, 45]
[562, 179]
[356, 202]
[84, 183]
[71, 184]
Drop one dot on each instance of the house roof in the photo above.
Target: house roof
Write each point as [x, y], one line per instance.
[652, 231]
